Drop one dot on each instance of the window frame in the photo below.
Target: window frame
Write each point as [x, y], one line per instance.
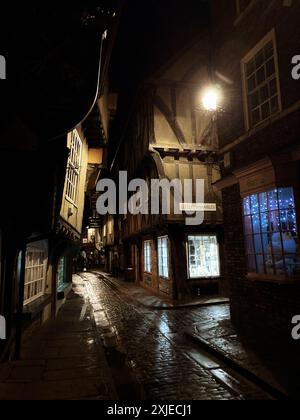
[252, 235]
[74, 167]
[32, 269]
[147, 250]
[269, 37]
[160, 258]
[188, 255]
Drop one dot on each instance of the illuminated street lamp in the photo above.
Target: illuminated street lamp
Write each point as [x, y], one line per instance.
[209, 104]
[210, 99]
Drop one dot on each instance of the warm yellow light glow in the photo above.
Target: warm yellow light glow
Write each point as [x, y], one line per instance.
[210, 100]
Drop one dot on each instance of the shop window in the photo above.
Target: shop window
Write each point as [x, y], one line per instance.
[261, 81]
[203, 256]
[272, 243]
[35, 274]
[163, 257]
[73, 171]
[147, 257]
[61, 273]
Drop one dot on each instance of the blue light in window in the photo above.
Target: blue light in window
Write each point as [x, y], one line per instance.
[271, 232]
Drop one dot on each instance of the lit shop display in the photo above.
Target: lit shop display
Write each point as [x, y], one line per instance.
[203, 256]
[272, 243]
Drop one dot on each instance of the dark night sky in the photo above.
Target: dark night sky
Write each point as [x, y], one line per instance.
[150, 33]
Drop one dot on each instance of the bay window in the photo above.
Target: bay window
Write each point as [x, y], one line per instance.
[163, 257]
[272, 243]
[203, 256]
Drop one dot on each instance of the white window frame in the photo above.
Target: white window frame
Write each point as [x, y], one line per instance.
[270, 37]
[35, 274]
[163, 259]
[148, 257]
[203, 235]
[74, 166]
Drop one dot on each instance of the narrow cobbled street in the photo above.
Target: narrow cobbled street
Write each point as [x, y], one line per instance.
[164, 364]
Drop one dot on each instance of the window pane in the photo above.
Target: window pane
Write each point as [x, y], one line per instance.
[147, 257]
[269, 50]
[261, 75]
[274, 222]
[259, 59]
[256, 223]
[264, 94]
[163, 257]
[263, 202]
[264, 219]
[251, 83]
[274, 105]
[248, 225]
[286, 198]
[258, 244]
[250, 68]
[256, 117]
[273, 200]
[247, 208]
[270, 67]
[276, 243]
[254, 100]
[273, 87]
[250, 245]
[265, 110]
[254, 204]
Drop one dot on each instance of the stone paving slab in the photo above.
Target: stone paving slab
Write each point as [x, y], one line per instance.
[267, 361]
[62, 360]
[147, 299]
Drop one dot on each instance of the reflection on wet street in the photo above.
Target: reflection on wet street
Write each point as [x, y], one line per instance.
[155, 347]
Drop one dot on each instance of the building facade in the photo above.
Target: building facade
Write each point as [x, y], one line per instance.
[170, 136]
[254, 43]
[48, 167]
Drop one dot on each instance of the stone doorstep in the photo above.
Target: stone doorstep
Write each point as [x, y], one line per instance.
[239, 367]
[155, 302]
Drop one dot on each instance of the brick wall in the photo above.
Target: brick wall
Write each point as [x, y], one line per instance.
[255, 306]
[232, 41]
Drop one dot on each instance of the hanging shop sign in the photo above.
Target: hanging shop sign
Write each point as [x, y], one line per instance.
[95, 223]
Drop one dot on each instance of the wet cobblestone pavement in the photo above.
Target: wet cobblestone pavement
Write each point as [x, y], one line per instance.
[156, 348]
[61, 360]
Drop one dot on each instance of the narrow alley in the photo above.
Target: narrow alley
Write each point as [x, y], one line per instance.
[117, 348]
[150, 202]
